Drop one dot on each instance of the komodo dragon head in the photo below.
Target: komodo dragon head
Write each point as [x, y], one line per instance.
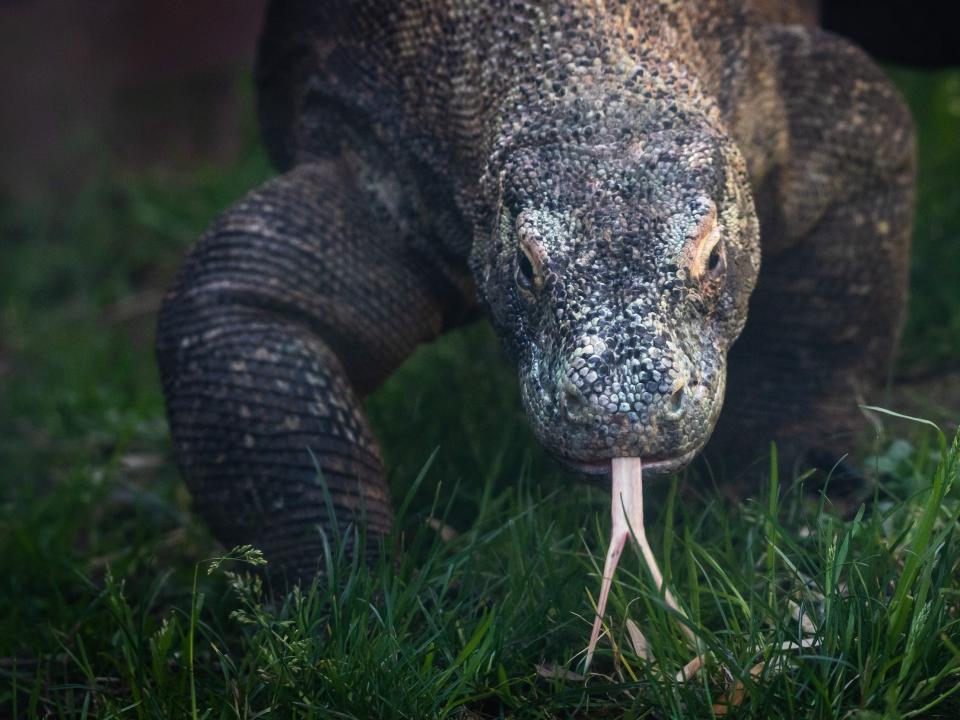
[618, 275]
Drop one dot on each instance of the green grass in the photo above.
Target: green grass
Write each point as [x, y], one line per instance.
[111, 605]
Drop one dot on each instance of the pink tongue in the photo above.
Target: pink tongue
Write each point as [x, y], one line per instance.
[626, 511]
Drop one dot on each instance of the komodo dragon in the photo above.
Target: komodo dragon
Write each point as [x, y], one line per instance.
[602, 177]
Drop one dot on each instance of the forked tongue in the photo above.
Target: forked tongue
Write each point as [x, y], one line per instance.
[626, 510]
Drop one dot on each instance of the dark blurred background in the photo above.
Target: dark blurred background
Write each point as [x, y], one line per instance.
[138, 85]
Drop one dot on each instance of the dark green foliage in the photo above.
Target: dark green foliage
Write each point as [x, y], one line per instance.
[932, 335]
[104, 582]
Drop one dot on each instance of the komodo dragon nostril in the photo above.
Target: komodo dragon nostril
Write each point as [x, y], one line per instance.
[573, 401]
[676, 400]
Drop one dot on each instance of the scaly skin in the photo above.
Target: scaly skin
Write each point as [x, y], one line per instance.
[602, 178]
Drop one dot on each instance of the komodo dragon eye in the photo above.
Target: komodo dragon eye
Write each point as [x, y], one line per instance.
[716, 261]
[529, 265]
[709, 255]
[525, 271]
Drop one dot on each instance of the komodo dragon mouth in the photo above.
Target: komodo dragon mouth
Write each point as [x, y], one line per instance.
[652, 466]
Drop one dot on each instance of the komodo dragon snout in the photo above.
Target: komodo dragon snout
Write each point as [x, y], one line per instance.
[619, 277]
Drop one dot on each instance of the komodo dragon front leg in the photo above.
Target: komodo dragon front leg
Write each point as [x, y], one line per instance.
[300, 299]
[835, 214]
